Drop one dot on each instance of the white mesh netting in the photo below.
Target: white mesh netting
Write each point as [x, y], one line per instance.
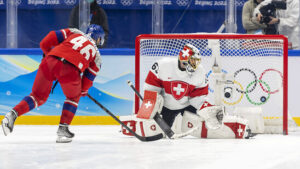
[256, 63]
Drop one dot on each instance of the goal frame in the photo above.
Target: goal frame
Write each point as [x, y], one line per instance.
[217, 36]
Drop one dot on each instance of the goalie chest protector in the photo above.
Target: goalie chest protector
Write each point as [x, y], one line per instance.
[175, 85]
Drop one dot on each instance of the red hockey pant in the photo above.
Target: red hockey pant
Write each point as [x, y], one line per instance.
[69, 78]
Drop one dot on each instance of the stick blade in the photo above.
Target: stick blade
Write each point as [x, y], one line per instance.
[153, 138]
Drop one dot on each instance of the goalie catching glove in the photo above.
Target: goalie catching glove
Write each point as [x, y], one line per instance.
[152, 104]
[212, 115]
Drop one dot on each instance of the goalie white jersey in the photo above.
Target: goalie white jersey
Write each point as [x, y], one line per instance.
[178, 88]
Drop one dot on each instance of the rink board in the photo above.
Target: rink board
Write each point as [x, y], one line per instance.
[18, 70]
[54, 120]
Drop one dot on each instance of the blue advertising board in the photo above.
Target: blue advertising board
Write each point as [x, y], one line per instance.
[110, 87]
[124, 4]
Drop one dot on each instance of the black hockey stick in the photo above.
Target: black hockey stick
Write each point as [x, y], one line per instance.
[162, 124]
[151, 138]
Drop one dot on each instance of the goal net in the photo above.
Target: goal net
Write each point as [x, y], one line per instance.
[255, 67]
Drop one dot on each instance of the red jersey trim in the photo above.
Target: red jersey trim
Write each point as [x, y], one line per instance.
[204, 130]
[153, 80]
[199, 91]
[191, 90]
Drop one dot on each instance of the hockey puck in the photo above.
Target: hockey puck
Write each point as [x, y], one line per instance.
[263, 99]
[227, 95]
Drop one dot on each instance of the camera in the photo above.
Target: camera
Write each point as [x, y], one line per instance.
[269, 10]
[228, 92]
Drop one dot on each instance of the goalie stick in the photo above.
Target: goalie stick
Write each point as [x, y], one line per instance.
[162, 124]
[141, 138]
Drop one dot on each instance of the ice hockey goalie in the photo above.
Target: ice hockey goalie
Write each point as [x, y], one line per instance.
[176, 87]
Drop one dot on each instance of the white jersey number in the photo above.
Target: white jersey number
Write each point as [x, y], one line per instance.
[78, 42]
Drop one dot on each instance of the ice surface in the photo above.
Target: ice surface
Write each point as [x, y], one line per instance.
[104, 147]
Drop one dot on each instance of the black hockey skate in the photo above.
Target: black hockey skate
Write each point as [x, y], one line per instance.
[249, 134]
[63, 134]
[9, 121]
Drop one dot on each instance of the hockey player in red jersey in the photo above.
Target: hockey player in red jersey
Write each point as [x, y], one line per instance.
[68, 53]
[182, 88]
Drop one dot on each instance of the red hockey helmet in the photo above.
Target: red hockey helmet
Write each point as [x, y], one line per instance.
[190, 57]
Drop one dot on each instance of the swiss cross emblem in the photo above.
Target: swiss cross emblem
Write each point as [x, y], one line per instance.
[190, 125]
[130, 124]
[205, 104]
[237, 128]
[153, 127]
[148, 104]
[179, 89]
[185, 53]
[240, 131]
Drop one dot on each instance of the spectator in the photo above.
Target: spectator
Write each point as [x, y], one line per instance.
[250, 23]
[287, 20]
[98, 16]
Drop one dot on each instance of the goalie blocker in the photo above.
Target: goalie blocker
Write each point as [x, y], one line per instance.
[143, 122]
[203, 124]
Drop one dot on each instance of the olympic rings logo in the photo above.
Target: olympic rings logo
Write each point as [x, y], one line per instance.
[126, 2]
[182, 2]
[265, 72]
[70, 2]
[251, 86]
[252, 73]
[263, 99]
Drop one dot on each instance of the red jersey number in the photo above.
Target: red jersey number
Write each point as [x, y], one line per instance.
[85, 51]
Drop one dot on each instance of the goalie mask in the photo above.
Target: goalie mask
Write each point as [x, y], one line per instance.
[97, 33]
[190, 57]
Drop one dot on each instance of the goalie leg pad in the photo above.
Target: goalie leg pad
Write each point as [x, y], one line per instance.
[191, 121]
[234, 127]
[229, 130]
[143, 127]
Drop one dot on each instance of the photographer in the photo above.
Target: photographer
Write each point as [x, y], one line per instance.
[250, 23]
[284, 20]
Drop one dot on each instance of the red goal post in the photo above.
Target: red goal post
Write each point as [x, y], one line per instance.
[259, 64]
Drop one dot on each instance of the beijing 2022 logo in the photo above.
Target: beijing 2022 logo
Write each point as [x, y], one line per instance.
[70, 2]
[126, 2]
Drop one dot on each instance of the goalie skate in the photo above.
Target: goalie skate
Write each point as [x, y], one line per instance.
[8, 122]
[248, 134]
[63, 134]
